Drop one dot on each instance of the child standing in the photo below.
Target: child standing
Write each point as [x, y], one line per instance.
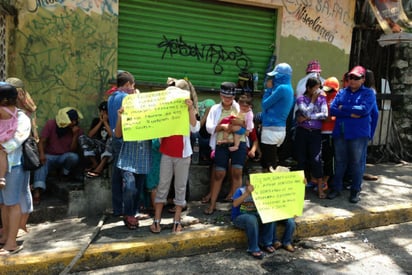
[8, 126]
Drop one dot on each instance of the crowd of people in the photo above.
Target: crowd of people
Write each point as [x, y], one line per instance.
[329, 128]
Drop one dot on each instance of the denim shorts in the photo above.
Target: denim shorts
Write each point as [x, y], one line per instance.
[17, 187]
[222, 156]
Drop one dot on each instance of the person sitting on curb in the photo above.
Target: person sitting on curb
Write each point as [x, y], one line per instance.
[96, 145]
[58, 148]
[246, 217]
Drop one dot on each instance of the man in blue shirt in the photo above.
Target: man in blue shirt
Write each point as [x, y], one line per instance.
[125, 84]
[352, 107]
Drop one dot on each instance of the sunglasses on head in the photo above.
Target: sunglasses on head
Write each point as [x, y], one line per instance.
[354, 77]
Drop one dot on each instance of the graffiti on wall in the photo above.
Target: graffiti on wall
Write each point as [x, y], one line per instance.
[88, 6]
[67, 58]
[212, 53]
[322, 20]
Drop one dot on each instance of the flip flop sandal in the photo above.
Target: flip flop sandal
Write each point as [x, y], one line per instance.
[177, 227]
[155, 227]
[209, 211]
[205, 200]
[131, 222]
[92, 174]
[5, 252]
[257, 255]
[269, 249]
[277, 245]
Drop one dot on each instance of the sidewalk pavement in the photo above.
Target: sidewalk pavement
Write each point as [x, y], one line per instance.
[61, 246]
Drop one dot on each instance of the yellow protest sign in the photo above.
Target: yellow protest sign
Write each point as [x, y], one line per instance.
[279, 195]
[155, 114]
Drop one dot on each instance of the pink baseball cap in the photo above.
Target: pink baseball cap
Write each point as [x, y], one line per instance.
[359, 71]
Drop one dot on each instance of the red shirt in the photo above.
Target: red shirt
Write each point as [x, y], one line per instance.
[54, 144]
[172, 146]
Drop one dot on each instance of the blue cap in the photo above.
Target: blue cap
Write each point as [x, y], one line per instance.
[281, 68]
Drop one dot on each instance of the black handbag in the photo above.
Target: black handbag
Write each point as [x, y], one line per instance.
[31, 155]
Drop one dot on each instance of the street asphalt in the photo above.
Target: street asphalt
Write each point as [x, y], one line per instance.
[61, 246]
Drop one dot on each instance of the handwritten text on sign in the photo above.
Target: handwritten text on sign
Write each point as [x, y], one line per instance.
[155, 114]
[278, 196]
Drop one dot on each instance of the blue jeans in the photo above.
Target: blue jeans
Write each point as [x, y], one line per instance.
[17, 190]
[287, 235]
[132, 185]
[349, 154]
[256, 232]
[66, 162]
[117, 188]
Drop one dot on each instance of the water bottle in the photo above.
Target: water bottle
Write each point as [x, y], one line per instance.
[196, 149]
[255, 81]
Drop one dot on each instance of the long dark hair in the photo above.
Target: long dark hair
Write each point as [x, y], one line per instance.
[312, 82]
[370, 79]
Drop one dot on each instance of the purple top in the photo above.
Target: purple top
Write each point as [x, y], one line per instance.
[317, 111]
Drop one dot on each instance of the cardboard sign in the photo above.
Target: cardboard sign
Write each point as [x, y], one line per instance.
[279, 195]
[155, 114]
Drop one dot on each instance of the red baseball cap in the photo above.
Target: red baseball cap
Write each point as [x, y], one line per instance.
[358, 71]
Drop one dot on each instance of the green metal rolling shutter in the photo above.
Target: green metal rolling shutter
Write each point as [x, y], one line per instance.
[208, 41]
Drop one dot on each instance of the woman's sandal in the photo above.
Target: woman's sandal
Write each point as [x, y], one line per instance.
[93, 174]
[209, 211]
[205, 199]
[89, 169]
[269, 249]
[277, 245]
[257, 255]
[155, 227]
[177, 227]
[131, 222]
[2, 183]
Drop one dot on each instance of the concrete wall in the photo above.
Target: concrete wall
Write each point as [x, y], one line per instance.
[65, 52]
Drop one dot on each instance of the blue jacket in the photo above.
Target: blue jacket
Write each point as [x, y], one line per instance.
[277, 102]
[359, 103]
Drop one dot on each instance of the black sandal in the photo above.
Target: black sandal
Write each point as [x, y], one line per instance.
[177, 227]
[257, 255]
[155, 227]
[269, 249]
[131, 222]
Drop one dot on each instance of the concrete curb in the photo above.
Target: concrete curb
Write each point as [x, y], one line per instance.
[326, 224]
[196, 241]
